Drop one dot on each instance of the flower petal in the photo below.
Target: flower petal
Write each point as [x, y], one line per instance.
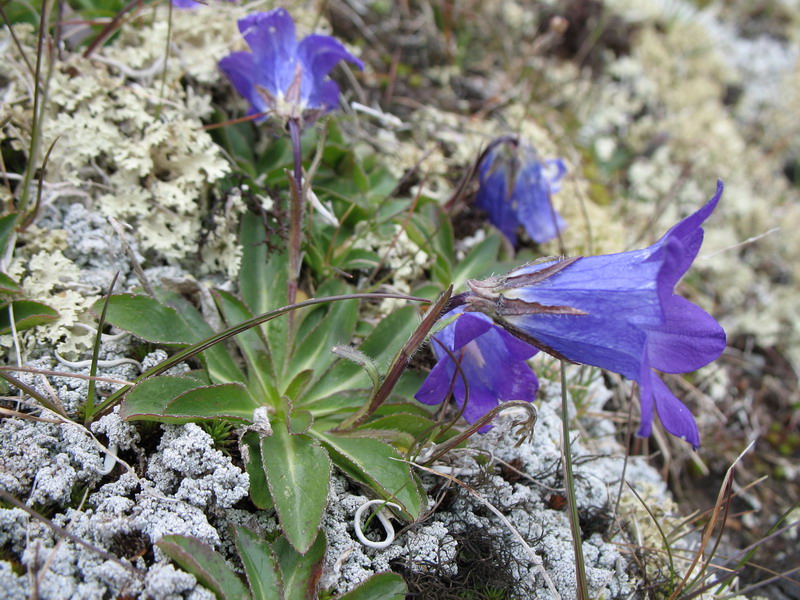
[324, 96]
[239, 68]
[468, 326]
[554, 170]
[494, 197]
[492, 361]
[646, 400]
[688, 339]
[534, 209]
[271, 36]
[674, 415]
[689, 233]
[434, 389]
[318, 55]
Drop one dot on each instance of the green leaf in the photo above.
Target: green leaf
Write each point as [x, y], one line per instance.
[254, 465]
[381, 345]
[8, 285]
[335, 327]
[298, 471]
[154, 321]
[210, 569]
[383, 586]
[260, 565]
[225, 400]
[151, 396]
[298, 385]
[301, 572]
[357, 259]
[221, 367]
[27, 314]
[147, 318]
[263, 281]
[7, 224]
[345, 401]
[239, 139]
[377, 465]
[170, 399]
[277, 155]
[251, 342]
[300, 421]
[414, 424]
[480, 260]
[431, 230]
[390, 334]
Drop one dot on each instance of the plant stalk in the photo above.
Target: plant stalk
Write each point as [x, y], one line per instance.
[39, 102]
[400, 362]
[572, 505]
[295, 212]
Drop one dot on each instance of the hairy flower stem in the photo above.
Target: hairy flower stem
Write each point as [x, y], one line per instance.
[524, 428]
[577, 542]
[295, 212]
[400, 362]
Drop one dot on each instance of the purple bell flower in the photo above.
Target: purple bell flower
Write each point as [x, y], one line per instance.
[617, 312]
[515, 188]
[493, 362]
[281, 75]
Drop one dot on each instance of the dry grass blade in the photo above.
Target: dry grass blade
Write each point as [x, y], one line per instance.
[25, 388]
[660, 531]
[724, 491]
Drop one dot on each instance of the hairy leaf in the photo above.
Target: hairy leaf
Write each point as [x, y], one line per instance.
[210, 569]
[298, 471]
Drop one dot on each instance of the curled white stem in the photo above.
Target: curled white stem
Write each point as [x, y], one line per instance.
[385, 118]
[383, 517]
[110, 460]
[83, 364]
[106, 337]
[326, 212]
[146, 73]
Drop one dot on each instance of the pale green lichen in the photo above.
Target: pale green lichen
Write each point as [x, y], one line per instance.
[51, 278]
[128, 145]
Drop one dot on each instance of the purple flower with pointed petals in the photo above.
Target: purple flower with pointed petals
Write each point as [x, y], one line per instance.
[618, 312]
[515, 189]
[493, 362]
[281, 75]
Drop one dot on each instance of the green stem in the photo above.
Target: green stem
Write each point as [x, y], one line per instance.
[295, 211]
[400, 362]
[39, 91]
[574, 523]
[89, 406]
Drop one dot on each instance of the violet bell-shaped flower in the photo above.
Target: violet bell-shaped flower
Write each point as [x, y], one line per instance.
[515, 189]
[492, 360]
[618, 312]
[281, 75]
